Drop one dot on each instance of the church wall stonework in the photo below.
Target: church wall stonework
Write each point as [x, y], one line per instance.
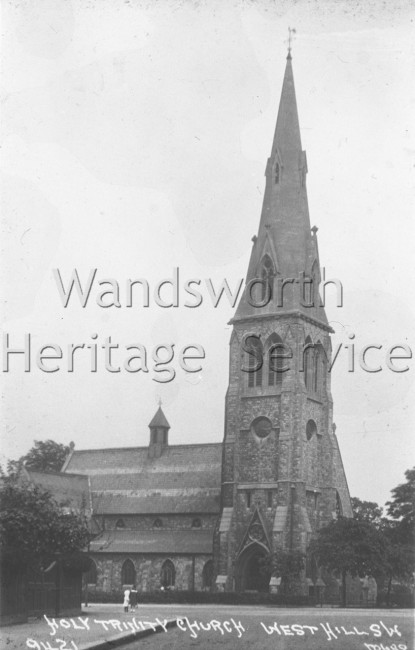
[188, 571]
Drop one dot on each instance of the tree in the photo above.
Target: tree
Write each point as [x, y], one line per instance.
[402, 508]
[400, 558]
[367, 511]
[400, 532]
[284, 564]
[350, 546]
[33, 527]
[44, 456]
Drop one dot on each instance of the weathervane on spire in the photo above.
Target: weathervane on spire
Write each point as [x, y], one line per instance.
[160, 402]
[291, 31]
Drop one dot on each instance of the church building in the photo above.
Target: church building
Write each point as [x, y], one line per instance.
[202, 516]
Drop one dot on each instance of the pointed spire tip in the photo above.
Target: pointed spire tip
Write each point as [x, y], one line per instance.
[291, 31]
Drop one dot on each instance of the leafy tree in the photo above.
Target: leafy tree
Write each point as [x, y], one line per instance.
[33, 527]
[350, 546]
[44, 456]
[284, 564]
[367, 511]
[400, 558]
[402, 508]
[398, 530]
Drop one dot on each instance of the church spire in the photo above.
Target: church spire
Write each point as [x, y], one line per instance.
[285, 247]
[287, 131]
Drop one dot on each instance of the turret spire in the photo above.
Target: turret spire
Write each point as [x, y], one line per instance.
[159, 430]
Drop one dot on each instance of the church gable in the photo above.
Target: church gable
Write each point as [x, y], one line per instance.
[256, 533]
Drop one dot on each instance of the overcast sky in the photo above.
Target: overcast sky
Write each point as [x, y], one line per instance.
[135, 138]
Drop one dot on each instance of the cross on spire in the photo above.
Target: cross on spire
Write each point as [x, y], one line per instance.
[291, 31]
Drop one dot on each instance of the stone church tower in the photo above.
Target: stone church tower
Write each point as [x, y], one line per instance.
[282, 473]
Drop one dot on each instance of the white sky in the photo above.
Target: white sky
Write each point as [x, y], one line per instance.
[135, 138]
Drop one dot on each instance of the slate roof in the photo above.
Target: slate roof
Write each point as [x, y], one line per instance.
[158, 502]
[157, 541]
[193, 458]
[184, 479]
[159, 420]
[71, 490]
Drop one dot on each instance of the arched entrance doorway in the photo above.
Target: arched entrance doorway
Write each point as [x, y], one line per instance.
[250, 574]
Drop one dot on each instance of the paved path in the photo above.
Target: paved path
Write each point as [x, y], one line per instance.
[223, 627]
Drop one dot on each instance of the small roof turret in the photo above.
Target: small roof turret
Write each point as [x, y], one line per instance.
[159, 420]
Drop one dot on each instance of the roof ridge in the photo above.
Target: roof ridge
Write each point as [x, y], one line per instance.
[183, 444]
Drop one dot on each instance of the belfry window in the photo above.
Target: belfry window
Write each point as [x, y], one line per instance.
[309, 359]
[277, 173]
[314, 366]
[255, 360]
[276, 360]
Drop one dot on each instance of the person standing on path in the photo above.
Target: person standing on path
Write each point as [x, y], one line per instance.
[126, 600]
[133, 598]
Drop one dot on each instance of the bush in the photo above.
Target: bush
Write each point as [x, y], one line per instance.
[401, 596]
[201, 597]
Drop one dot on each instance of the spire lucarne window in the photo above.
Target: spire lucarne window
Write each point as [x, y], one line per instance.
[277, 173]
[267, 277]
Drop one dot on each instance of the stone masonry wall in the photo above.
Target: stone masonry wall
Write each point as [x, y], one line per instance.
[188, 568]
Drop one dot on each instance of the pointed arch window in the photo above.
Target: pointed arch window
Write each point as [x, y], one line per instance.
[157, 523]
[255, 360]
[92, 574]
[120, 523]
[315, 276]
[276, 360]
[277, 173]
[267, 277]
[207, 575]
[308, 291]
[320, 369]
[308, 362]
[168, 574]
[339, 507]
[314, 367]
[128, 573]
